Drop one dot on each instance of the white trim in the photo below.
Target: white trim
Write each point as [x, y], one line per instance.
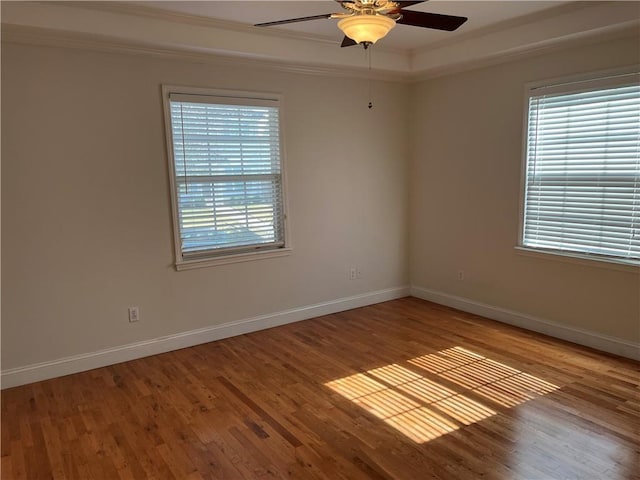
[228, 259]
[27, 35]
[232, 97]
[580, 23]
[597, 79]
[121, 27]
[503, 25]
[531, 51]
[88, 361]
[568, 84]
[144, 11]
[135, 29]
[580, 336]
[610, 263]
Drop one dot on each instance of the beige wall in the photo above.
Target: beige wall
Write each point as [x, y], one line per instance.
[86, 225]
[465, 193]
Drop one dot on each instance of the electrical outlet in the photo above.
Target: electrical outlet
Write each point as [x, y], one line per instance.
[353, 273]
[460, 275]
[134, 314]
[358, 273]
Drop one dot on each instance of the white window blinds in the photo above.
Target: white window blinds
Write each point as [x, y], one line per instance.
[227, 174]
[582, 187]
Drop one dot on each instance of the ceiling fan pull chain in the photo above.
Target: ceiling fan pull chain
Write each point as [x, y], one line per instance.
[368, 54]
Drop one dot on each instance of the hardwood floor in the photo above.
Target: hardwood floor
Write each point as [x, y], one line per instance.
[404, 389]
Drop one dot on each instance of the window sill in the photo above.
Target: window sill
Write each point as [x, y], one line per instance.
[576, 258]
[228, 259]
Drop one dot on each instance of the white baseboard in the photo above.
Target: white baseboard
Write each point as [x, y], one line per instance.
[605, 343]
[88, 361]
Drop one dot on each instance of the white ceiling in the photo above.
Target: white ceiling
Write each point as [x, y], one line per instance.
[480, 14]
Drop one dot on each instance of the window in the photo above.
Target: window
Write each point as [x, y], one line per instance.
[226, 175]
[582, 177]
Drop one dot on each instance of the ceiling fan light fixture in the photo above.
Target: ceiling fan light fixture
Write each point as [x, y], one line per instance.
[366, 29]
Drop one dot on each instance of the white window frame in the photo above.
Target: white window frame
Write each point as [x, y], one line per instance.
[229, 256]
[602, 79]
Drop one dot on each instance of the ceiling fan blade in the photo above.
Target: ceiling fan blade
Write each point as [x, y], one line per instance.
[431, 20]
[293, 20]
[408, 4]
[348, 42]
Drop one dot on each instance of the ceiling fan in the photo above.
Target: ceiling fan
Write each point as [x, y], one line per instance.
[365, 22]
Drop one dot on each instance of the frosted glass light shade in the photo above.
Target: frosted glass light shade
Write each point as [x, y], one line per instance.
[366, 28]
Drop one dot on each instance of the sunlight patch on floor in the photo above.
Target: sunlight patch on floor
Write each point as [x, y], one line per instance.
[486, 377]
[422, 408]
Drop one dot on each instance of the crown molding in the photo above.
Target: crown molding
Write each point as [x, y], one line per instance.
[531, 51]
[115, 26]
[12, 34]
[506, 24]
[55, 38]
[178, 17]
[120, 27]
[582, 23]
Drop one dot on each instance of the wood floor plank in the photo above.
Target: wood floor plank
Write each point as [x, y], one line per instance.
[404, 389]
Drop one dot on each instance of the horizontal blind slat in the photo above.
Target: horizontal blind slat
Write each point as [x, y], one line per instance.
[228, 173]
[582, 190]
